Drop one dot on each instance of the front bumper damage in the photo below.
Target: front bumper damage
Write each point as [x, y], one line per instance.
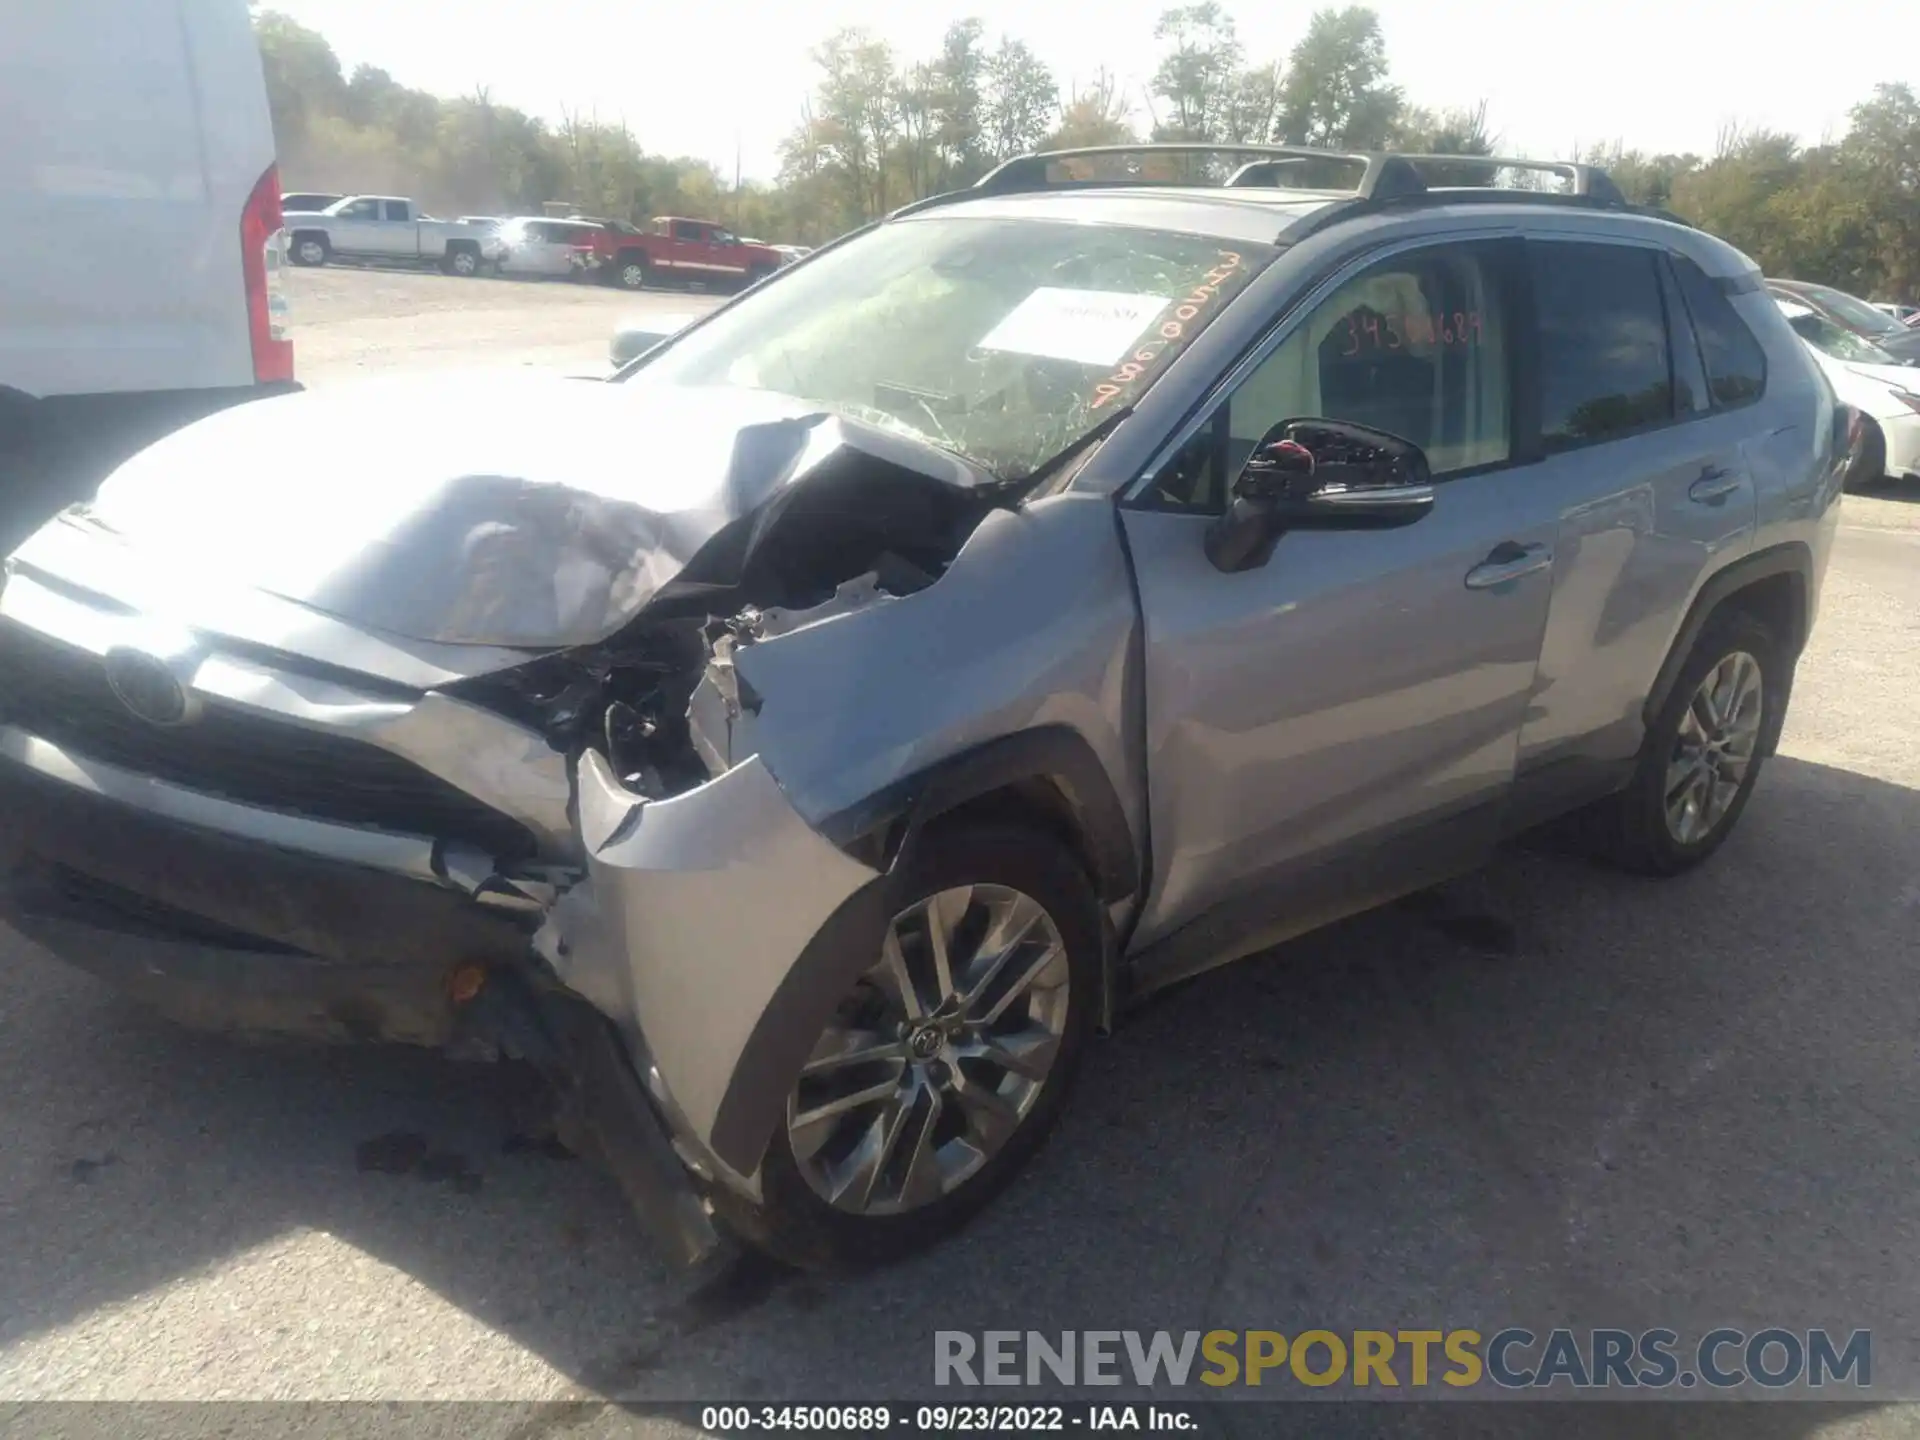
[222, 932]
[722, 923]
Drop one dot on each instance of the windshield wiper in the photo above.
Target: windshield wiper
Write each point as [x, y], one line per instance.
[1018, 487]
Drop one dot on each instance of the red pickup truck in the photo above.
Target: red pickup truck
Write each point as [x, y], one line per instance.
[674, 251]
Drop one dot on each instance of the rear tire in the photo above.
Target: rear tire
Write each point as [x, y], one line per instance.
[463, 261]
[310, 250]
[1869, 469]
[1044, 1025]
[1643, 829]
[631, 272]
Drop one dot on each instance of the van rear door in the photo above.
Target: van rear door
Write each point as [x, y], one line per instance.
[137, 133]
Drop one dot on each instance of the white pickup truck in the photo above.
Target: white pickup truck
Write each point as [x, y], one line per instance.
[381, 227]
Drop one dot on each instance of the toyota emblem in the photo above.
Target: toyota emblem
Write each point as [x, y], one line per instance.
[149, 688]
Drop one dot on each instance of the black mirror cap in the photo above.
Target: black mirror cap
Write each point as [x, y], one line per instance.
[1318, 474]
[1301, 456]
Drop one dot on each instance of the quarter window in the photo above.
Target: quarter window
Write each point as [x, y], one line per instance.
[1416, 346]
[1736, 365]
[1604, 365]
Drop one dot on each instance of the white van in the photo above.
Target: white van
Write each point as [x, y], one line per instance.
[140, 206]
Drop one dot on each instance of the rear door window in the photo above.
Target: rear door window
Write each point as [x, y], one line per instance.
[1736, 365]
[1605, 366]
[397, 210]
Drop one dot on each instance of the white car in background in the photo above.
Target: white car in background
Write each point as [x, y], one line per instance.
[1905, 314]
[1882, 387]
[533, 245]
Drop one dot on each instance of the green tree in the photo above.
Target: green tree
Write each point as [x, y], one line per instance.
[1019, 103]
[1448, 132]
[1097, 114]
[854, 122]
[958, 76]
[1644, 179]
[1336, 92]
[303, 75]
[1199, 77]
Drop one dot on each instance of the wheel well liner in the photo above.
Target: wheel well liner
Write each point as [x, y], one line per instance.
[1048, 774]
[1772, 585]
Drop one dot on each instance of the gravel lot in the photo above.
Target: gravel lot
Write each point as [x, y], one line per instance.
[1547, 1095]
[348, 322]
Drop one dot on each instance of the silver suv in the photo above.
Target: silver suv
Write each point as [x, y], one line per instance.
[800, 745]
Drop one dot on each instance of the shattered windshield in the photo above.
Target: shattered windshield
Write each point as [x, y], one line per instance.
[1005, 341]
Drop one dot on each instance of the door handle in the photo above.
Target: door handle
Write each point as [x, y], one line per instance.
[1715, 484]
[1506, 562]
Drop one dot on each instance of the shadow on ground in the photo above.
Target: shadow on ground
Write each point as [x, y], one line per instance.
[1546, 1095]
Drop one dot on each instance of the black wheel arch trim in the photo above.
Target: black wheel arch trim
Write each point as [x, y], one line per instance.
[1793, 558]
[891, 820]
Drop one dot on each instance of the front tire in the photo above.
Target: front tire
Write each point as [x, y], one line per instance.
[946, 1065]
[1703, 753]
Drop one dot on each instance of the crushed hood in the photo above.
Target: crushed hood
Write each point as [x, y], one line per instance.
[485, 509]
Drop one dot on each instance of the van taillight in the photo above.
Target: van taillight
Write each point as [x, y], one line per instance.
[260, 263]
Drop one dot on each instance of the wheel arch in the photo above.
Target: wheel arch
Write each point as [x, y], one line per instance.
[1773, 585]
[1047, 776]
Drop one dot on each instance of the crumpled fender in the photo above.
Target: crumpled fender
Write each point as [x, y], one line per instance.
[725, 923]
[703, 910]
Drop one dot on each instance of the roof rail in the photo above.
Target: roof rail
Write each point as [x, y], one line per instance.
[1581, 179]
[1384, 176]
[1380, 176]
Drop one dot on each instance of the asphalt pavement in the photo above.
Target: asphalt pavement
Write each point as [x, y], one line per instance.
[1544, 1095]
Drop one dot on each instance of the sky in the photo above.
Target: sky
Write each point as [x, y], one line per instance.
[720, 78]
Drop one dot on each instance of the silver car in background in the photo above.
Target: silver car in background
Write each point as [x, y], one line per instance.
[800, 746]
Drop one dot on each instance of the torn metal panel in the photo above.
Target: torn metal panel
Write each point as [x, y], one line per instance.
[1032, 625]
[701, 907]
[720, 721]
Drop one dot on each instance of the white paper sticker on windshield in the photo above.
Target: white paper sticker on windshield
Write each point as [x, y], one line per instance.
[1092, 327]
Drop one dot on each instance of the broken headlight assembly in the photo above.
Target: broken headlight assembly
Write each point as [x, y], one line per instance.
[626, 698]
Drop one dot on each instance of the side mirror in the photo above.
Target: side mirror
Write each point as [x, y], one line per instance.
[1315, 474]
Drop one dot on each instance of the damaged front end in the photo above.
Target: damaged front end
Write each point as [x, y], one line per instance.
[703, 894]
[692, 676]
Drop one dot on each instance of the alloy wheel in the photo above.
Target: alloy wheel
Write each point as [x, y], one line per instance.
[938, 1054]
[1714, 750]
